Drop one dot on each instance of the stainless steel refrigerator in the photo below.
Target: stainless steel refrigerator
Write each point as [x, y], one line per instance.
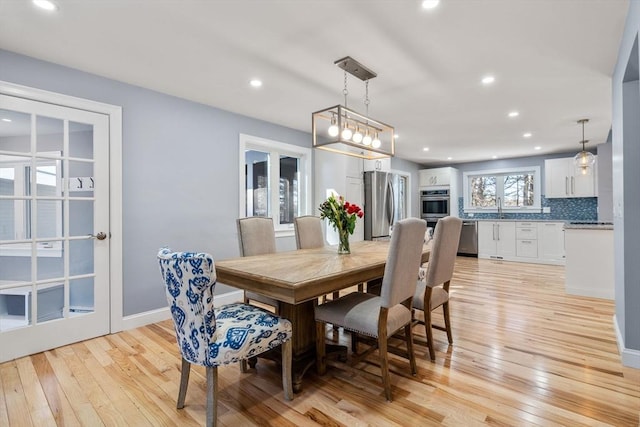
[385, 203]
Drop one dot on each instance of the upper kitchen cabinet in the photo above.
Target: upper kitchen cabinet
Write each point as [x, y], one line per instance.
[437, 176]
[563, 181]
[383, 165]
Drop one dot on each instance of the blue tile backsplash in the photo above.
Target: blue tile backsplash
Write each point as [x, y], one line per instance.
[575, 209]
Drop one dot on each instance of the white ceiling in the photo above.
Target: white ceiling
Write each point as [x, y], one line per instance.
[552, 60]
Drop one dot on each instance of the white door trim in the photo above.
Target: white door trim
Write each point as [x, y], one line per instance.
[115, 181]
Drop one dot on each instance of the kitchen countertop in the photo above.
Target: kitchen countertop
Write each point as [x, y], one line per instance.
[568, 225]
[587, 225]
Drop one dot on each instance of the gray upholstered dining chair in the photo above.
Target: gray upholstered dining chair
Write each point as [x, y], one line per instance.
[379, 317]
[308, 230]
[256, 236]
[432, 290]
[210, 336]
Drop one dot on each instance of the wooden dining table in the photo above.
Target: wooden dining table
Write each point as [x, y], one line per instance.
[296, 279]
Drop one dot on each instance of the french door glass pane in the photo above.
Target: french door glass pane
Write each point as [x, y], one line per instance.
[289, 191]
[80, 257]
[257, 183]
[14, 268]
[15, 307]
[50, 267]
[81, 296]
[50, 302]
[80, 140]
[49, 134]
[80, 217]
[17, 128]
[81, 182]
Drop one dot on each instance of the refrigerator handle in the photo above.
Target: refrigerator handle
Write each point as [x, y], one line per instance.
[390, 203]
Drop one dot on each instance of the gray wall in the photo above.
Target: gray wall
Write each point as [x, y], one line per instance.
[179, 171]
[626, 176]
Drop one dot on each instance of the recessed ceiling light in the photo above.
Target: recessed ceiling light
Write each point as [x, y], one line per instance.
[494, 157]
[487, 80]
[255, 83]
[513, 114]
[45, 4]
[527, 135]
[449, 158]
[425, 149]
[537, 147]
[430, 4]
[396, 136]
[6, 120]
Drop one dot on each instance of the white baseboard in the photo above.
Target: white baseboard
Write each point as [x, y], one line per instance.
[630, 358]
[160, 314]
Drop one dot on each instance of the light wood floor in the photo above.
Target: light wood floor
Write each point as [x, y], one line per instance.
[524, 353]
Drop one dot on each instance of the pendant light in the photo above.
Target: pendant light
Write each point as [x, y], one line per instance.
[584, 160]
[342, 130]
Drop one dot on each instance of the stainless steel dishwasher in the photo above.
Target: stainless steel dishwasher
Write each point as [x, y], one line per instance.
[468, 239]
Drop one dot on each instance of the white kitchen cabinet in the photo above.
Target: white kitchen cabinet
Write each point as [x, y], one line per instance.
[563, 181]
[383, 165]
[496, 239]
[437, 176]
[551, 242]
[540, 242]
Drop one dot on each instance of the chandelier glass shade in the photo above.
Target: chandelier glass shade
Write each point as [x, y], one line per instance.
[584, 161]
[345, 131]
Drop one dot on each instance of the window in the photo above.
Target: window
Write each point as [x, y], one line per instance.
[275, 181]
[16, 205]
[513, 189]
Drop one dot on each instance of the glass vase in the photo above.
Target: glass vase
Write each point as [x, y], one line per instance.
[343, 244]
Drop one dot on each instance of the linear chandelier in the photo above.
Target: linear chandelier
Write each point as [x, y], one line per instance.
[345, 131]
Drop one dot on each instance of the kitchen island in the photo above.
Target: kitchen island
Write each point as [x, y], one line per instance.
[589, 259]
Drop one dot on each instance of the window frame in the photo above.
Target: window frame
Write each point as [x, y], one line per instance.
[275, 149]
[537, 189]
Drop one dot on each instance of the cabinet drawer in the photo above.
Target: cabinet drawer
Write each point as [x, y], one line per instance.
[526, 224]
[527, 232]
[527, 248]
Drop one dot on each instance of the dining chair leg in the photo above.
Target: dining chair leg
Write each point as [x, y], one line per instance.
[447, 321]
[354, 342]
[412, 357]
[429, 334]
[321, 364]
[384, 366]
[184, 382]
[212, 396]
[286, 370]
[244, 367]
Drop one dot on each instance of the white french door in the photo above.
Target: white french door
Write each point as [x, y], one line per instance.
[54, 219]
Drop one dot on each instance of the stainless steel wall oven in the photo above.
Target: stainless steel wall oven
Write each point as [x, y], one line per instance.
[435, 203]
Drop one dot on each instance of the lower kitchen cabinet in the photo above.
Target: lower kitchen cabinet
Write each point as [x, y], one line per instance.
[551, 242]
[496, 239]
[524, 241]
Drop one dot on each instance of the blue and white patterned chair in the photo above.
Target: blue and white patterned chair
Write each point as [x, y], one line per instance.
[211, 336]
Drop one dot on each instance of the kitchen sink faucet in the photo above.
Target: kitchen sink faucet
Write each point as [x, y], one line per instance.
[500, 212]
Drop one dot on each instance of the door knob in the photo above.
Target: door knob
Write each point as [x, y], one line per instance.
[100, 236]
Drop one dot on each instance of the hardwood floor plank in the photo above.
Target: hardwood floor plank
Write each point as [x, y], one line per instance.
[58, 402]
[17, 407]
[38, 406]
[524, 353]
[73, 391]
